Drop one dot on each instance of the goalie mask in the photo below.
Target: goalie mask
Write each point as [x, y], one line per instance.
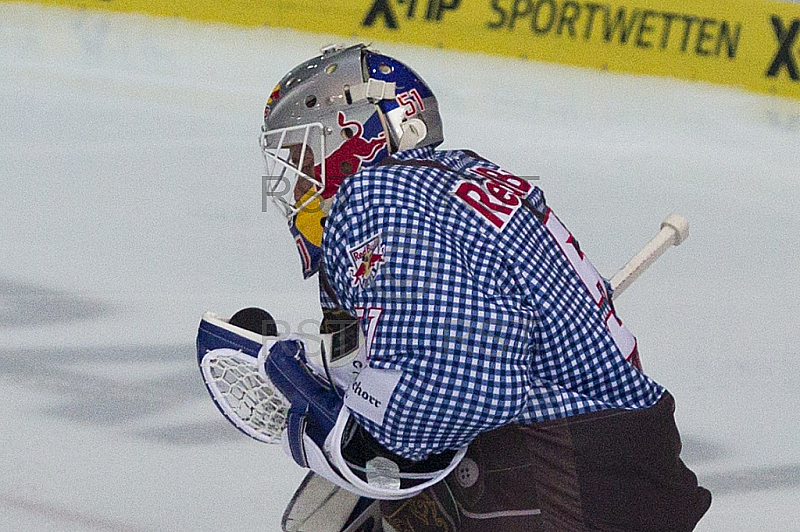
[331, 116]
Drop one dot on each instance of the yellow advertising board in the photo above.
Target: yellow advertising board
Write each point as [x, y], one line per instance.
[753, 44]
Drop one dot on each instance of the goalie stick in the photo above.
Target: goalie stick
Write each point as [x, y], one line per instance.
[253, 405]
[674, 230]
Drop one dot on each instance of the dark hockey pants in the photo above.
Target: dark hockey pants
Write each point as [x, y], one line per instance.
[615, 470]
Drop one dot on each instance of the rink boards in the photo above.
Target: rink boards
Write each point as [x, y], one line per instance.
[751, 44]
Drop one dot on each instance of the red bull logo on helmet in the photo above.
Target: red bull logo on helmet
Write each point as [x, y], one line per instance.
[366, 259]
[351, 155]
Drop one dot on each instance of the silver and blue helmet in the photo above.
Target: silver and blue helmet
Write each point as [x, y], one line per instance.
[331, 116]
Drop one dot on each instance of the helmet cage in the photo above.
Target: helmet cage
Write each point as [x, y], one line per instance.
[283, 171]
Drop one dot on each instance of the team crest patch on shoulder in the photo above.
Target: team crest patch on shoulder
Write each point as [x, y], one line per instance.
[366, 259]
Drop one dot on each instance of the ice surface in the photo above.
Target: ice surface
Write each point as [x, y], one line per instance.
[131, 203]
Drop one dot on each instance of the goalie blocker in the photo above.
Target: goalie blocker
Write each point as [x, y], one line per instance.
[269, 389]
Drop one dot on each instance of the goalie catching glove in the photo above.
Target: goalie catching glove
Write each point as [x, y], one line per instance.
[270, 390]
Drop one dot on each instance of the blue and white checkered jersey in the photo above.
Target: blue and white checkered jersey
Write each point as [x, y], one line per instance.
[476, 302]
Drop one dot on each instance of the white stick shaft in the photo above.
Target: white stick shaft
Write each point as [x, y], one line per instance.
[674, 230]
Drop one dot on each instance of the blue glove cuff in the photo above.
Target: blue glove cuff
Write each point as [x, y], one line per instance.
[315, 403]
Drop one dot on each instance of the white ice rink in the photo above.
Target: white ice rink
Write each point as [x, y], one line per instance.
[130, 202]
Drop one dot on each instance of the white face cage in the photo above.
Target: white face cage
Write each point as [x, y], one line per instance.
[284, 170]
